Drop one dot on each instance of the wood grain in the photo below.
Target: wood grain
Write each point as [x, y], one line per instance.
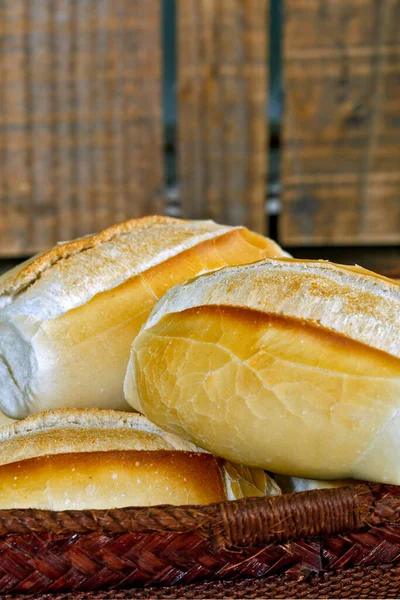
[222, 94]
[80, 118]
[341, 160]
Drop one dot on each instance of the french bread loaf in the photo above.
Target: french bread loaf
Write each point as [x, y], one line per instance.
[288, 365]
[87, 459]
[68, 317]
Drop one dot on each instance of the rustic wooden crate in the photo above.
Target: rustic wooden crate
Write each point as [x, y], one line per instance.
[222, 94]
[341, 159]
[80, 118]
[81, 124]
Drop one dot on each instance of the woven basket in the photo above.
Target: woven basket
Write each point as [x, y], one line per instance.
[339, 543]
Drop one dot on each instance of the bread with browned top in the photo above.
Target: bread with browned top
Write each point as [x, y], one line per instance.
[288, 365]
[68, 317]
[87, 459]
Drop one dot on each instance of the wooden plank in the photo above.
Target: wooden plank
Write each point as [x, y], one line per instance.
[222, 95]
[40, 135]
[15, 146]
[341, 158]
[80, 118]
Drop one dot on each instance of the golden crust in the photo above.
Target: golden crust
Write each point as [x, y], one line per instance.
[79, 317]
[351, 301]
[292, 366]
[113, 479]
[17, 279]
[89, 458]
[22, 277]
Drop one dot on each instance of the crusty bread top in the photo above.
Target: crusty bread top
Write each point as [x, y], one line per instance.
[71, 273]
[84, 430]
[15, 280]
[351, 301]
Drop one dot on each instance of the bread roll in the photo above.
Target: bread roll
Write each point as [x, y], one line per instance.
[68, 317]
[288, 365]
[86, 459]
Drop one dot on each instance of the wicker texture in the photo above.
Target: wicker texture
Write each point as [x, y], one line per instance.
[297, 535]
[247, 522]
[360, 582]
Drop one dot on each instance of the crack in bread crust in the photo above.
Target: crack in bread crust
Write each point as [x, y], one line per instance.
[42, 262]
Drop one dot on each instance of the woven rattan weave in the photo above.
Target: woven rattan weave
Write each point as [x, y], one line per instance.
[339, 543]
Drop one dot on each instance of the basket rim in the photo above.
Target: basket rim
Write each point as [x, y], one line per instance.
[239, 523]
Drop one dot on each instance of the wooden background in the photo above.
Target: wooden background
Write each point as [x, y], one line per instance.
[222, 94]
[80, 118]
[341, 164]
[81, 125]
